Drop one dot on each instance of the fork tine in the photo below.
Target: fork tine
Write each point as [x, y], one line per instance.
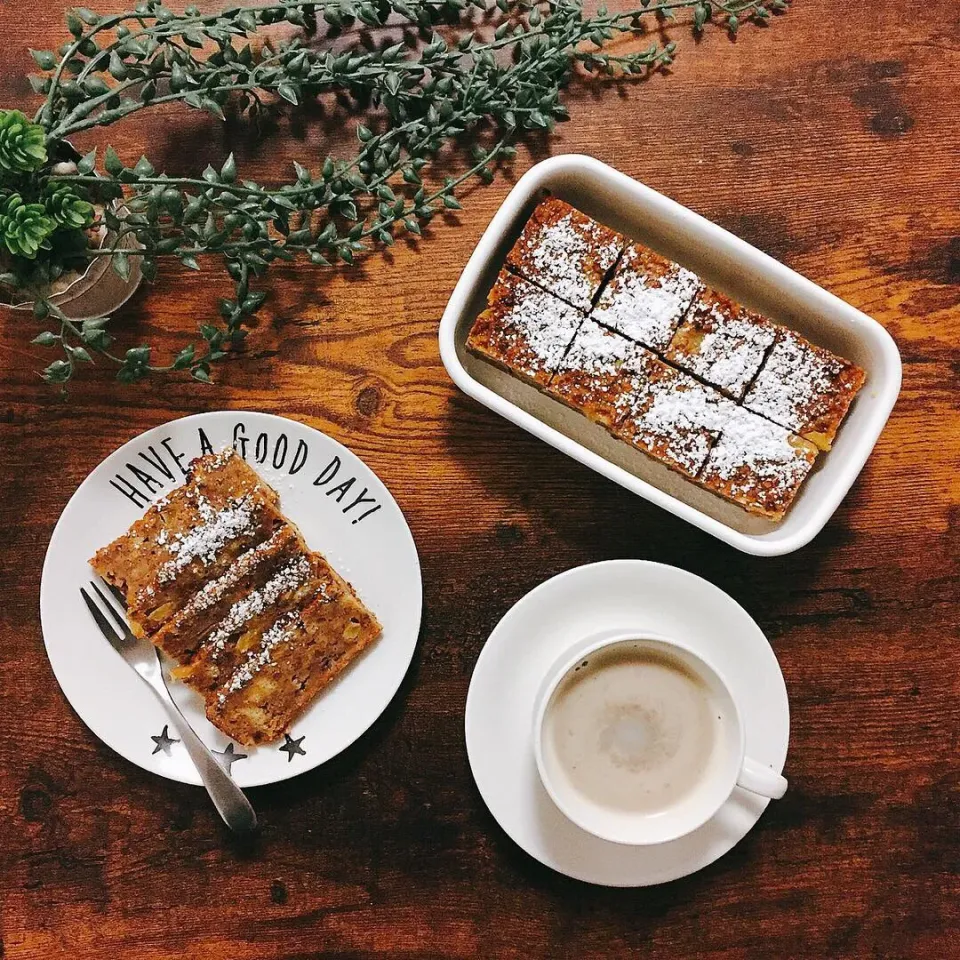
[117, 616]
[116, 641]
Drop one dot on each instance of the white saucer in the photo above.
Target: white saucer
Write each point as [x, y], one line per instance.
[613, 597]
[319, 481]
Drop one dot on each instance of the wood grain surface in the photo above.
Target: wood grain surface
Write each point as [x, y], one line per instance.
[830, 140]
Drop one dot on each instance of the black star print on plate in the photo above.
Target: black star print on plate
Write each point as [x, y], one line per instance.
[291, 747]
[227, 758]
[163, 741]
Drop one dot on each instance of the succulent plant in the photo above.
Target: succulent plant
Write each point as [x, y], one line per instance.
[24, 227]
[66, 208]
[23, 144]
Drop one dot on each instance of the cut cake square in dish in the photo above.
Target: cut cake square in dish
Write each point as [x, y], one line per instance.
[805, 388]
[293, 659]
[591, 377]
[757, 464]
[647, 297]
[191, 536]
[565, 252]
[722, 343]
[669, 415]
[524, 329]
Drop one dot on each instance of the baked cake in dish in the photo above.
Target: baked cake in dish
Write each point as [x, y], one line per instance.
[524, 329]
[716, 392]
[591, 377]
[220, 581]
[670, 416]
[805, 388]
[757, 464]
[565, 252]
[647, 297]
[722, 343]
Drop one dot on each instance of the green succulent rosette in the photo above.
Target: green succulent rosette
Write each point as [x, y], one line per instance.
[66, 208]
[25, 228]
[23, 144]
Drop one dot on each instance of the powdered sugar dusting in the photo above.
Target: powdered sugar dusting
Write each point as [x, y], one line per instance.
[217, 460]
[796, 382]
[288, 578]
[216, 529]
[644, 307]
[597, 351]
[569, 257]
[673, 416]
[540, 325]
[729, 354]
[752, 452]
[259, 658]
[214, 590]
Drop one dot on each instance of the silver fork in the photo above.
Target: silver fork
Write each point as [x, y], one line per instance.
[227, 797]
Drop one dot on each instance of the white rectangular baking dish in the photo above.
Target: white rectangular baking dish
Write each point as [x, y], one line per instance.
[724, 261]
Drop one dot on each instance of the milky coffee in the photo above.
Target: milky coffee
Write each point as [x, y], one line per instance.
[632, 729]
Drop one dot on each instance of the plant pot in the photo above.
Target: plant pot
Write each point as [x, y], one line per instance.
[99, 290]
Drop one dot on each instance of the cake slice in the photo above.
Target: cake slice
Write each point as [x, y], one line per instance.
[668, 415]
[721, 343]
[189, 537]
[757, 464]
[647, 297]
[242, 626]
[221, 582]
[565, 252]
[260, 575]
[301, 652]
[592, 377]
[524, 329]
[805, 388]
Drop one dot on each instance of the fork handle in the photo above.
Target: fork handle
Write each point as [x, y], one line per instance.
[227, 797]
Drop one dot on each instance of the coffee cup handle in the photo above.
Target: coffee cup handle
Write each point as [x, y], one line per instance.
[760, 779]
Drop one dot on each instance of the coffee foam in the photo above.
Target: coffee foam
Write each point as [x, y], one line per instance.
[632, 730]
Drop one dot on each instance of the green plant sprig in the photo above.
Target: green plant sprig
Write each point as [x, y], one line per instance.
[486, 88]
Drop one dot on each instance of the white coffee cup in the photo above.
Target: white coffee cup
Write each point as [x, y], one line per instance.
[721, 765]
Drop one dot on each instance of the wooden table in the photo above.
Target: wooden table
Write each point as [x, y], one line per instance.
[830, 141]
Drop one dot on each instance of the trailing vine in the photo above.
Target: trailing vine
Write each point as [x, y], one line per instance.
[482, 73]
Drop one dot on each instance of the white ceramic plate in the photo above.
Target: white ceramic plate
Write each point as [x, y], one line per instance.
[604, 599]
[728, 263]
[343, 511]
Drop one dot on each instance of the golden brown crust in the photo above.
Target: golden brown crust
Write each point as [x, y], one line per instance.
[722, 343]
[524, 329]
[566, 252]
[805, 388]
